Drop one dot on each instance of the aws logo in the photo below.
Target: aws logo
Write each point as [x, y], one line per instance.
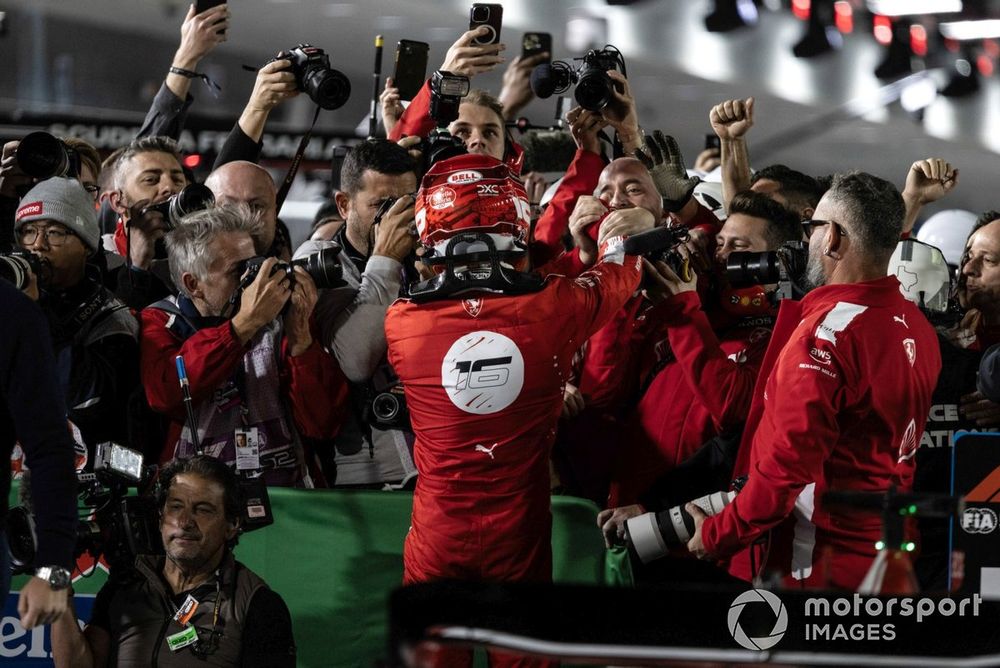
[821, 356]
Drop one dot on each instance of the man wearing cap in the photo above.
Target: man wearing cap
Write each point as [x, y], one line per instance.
[93, 333]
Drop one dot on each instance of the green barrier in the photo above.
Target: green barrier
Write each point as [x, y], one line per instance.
[334, 556]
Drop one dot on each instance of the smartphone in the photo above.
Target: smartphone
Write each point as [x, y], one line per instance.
[490, 16]
[712, 141]
[203, 5]
[534, 43]
[411, 67]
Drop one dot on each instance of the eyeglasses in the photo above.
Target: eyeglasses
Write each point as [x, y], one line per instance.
[54, 236]
[810, 225]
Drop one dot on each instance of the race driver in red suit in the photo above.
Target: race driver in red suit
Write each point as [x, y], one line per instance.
[841, 405]
[483, 372]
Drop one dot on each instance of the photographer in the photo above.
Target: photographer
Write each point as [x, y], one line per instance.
[33, 413]
[704, 389]
[147, 172]
[245, 183]
[249, 348]
[352, 318]
[843, 404]
[236, 619]
[93, 333]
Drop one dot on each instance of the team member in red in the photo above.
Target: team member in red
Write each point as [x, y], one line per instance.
[483, 370]
[841, 403]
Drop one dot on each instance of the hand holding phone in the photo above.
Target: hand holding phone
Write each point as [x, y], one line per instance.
[411, 68]
[535, 43]
[490, 16]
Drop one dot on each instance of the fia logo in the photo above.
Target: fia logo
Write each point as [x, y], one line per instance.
[910, 346]
[979, 520]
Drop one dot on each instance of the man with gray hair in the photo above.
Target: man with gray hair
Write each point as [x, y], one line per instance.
[249, 184]
[848, 379]
[259, 379]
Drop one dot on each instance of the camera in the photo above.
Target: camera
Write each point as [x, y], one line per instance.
[651, 535]
[447, 91]
[194, 197]
[121, 527]
[42, 156]
[17, 267]
[385, 403]
[594, 88]
[325, 86]
[660, 245]
[785, 266]
[322, 266]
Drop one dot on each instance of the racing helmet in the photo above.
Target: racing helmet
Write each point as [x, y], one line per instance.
[948, 230]
[923, 274]
[709, 195]
[471, 193]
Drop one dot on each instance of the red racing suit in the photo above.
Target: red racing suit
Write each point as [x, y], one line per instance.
[705, 387]
[840, 403]
[484, 381]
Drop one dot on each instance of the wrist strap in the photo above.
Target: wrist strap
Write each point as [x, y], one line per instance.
[212, 86]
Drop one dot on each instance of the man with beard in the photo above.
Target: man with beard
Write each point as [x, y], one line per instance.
[843, 395]
[196, 604]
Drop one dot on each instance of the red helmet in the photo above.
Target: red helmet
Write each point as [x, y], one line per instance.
[472, 193]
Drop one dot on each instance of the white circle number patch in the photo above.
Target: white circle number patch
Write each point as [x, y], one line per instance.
[483, 372]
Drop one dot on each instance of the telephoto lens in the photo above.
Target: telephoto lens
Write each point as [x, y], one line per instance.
[651, 535]
[747, 268]
[17, 266]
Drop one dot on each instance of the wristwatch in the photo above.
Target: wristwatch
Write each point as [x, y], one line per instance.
[57, 576]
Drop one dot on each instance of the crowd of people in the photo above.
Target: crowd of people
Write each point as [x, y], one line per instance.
[489, 343]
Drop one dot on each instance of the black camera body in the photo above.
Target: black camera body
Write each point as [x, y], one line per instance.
[660, 245]
[785, 266]
[194, 197]
[42, 156]
[18, 265]
[594, 88]
[327, 87]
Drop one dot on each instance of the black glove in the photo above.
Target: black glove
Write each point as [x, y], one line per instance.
[665, 163]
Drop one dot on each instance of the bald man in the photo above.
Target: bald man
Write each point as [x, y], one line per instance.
[242, 182]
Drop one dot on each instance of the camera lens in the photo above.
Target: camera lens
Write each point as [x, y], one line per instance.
[594, 91]
[193, 197]
[42, 156]
[744, 269]
[385, 406]
[14, 270]
[323, 267]
[480, 14]
[328, 88]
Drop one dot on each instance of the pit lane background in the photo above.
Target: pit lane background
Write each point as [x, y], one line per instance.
[335, 556]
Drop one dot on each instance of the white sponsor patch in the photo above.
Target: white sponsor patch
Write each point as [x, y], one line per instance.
[483, 372]
[468, 176]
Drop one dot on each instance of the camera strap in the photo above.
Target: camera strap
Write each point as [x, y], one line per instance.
[296, 161]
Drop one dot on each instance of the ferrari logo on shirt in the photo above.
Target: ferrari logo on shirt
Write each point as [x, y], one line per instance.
[472, 306]
[910, 346]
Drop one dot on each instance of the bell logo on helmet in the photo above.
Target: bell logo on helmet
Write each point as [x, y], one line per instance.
[467, 176]
[483, 372]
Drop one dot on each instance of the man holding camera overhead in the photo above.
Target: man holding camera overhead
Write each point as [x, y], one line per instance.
[93, 333]
[245, 330]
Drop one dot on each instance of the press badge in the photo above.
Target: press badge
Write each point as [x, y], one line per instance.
[186, 611]
[182, 639]
[247, 449]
